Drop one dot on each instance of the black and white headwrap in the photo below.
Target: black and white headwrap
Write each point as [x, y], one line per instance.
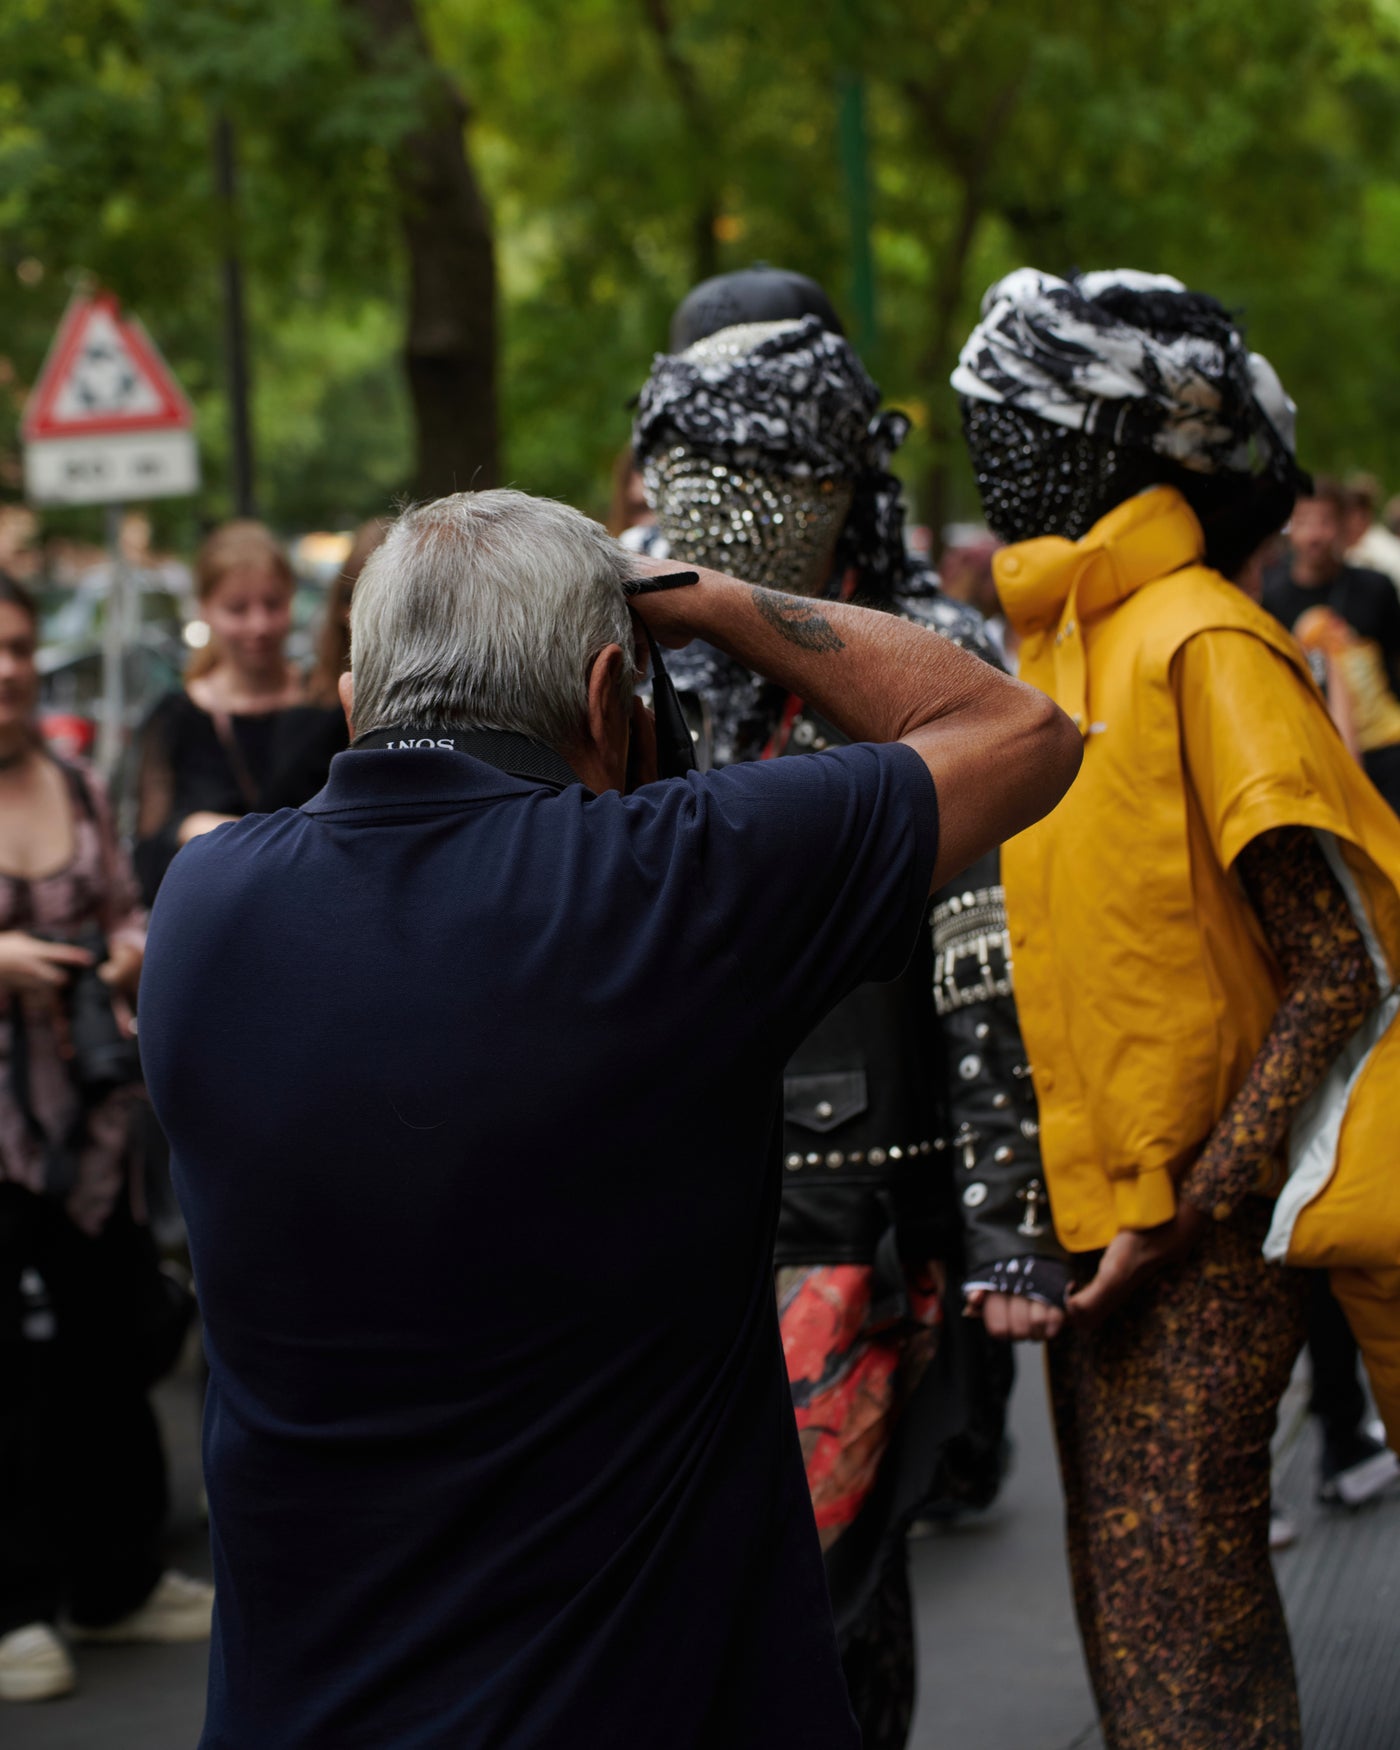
[781, 403]
[1078, 354]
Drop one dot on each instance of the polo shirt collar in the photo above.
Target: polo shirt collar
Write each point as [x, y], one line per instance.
[365, 778]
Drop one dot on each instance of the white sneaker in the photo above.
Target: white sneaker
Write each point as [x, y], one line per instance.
[34, 1665]
[179, 1609]
[1283, 1530]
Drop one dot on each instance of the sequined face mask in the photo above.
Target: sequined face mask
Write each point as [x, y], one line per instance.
[1035, 478]
[756, 524]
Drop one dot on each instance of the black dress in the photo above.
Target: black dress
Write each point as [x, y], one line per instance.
[185, 768]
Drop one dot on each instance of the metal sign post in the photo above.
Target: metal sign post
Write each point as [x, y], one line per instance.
[113, 720]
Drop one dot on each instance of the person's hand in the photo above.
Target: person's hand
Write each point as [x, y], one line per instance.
[1014, 1318]
[121, 971]
[665, 612]
[26, 963]
[1130, 1261]
[194, 826]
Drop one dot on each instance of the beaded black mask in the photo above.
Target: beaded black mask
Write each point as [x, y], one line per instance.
[759, 525]
[1036, 478]
[764, 451]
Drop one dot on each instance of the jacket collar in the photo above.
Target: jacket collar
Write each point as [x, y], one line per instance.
[1139, 541]
[1050, 586]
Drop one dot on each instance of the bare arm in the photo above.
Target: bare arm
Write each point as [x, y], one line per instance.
[1001, 753]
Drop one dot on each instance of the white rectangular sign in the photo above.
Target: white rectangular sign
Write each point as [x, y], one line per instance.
[111, 470]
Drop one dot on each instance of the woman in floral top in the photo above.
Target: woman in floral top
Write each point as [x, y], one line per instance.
[82, 1478]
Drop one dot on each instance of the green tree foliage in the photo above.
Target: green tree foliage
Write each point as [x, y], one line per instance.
[626, 146]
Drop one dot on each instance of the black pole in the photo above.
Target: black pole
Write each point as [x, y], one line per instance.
[235, 327]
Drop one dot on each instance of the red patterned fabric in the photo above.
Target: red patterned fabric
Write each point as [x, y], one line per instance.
[850, 1376]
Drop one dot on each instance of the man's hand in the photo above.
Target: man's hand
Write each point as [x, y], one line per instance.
[1131, 1260]
[194, 826]
[121, 971]
[1015, 1318]
[26, 963]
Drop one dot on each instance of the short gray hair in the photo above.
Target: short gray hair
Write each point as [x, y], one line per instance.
[485, 610]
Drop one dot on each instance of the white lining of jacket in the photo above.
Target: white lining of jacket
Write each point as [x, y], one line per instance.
[1317, 1128]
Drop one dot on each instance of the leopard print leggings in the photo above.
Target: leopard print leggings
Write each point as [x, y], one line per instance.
[1163, 1418]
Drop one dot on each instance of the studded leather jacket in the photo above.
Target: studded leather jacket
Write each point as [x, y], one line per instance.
[910, 1122]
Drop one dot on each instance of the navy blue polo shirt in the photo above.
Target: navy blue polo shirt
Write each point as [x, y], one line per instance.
[472, 1088]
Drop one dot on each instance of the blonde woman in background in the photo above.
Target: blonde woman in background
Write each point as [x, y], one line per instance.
[241, 736]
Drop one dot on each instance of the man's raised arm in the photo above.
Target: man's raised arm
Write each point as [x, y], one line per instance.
[1001, 753]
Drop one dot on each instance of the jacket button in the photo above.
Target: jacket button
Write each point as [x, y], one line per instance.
[824, 1108]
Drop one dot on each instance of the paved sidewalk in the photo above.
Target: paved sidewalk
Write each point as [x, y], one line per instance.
[1000, 1658]
[1000, 1655]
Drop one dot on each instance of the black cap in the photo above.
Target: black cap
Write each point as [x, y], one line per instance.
[754, 294]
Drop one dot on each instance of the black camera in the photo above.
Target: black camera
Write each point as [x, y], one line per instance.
[104, 1058]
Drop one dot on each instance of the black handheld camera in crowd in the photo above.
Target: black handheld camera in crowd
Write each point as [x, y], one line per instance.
[104, 1058]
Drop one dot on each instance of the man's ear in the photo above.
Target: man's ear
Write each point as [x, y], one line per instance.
[608, 723]
[345, 686]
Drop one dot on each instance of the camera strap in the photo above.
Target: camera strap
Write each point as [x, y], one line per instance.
[517, 755]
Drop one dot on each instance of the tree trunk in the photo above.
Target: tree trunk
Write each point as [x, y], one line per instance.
[685, 82]
[450, 345]
[969, 161]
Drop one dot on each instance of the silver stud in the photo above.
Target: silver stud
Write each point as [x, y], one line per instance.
[896, 1153]
[1002, 1155]
[814, 1160]
[856, 1156]
[981, 1030]
[969, 900]
[824, 1108]
[877, 1157]
[975, 1195]
[970, 1067]
[793, 1162]
[1001, 1101]
[1029, 1128]
[836, 1158]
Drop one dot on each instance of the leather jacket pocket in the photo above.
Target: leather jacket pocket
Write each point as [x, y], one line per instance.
[821, 1103]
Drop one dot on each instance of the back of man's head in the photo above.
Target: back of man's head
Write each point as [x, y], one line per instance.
[484, 610]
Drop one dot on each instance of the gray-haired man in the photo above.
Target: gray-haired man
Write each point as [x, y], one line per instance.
[461, 1065]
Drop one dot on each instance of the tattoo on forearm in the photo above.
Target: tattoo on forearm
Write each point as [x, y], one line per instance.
[797, 620]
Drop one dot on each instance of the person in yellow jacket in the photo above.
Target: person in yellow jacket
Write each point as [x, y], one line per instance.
[1205, 932]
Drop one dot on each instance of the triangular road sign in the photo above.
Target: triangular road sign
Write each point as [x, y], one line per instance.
[103, 378]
